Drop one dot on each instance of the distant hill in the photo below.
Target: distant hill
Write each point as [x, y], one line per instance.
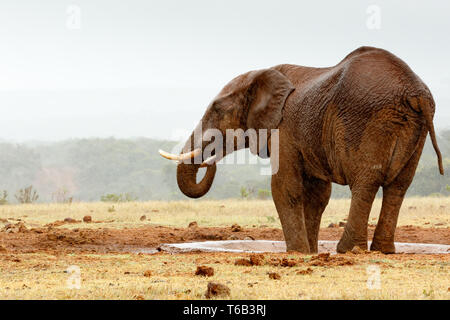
[87, 169]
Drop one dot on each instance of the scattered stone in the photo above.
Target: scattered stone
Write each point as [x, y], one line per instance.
[274, 276]
[70, 220]
[305, 271]
[143, 218]
[216, 289]
[19, 227]
[193, 224]
[332, 225]
[236, 228]
[87, 219]
[147, 273]
[233, 237]
[342, 224]
[204, 271]
[249, 238]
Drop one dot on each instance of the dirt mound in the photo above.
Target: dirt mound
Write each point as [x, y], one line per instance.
[305, 271]
[204, 271]
[216, 289]
[274, 276]
[325, 259]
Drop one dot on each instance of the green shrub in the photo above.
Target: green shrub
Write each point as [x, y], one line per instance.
[121, 197]
[3, 198]
[264, 194]
[244, 193]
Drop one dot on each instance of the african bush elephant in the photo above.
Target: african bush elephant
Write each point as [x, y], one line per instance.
[361, 123]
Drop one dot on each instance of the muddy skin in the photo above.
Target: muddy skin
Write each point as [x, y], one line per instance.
[361, 123]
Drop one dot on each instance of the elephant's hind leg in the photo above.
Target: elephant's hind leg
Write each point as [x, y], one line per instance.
[355, 233]
[317, 194]
[393, 194]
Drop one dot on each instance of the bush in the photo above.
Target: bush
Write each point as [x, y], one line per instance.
[264, 194]
[3, 199]
[244, 193]
[121, 197]
[27, 195]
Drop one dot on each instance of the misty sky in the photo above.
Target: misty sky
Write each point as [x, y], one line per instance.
[149, 68]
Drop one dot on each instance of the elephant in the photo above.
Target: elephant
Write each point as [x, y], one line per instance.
[361, 123]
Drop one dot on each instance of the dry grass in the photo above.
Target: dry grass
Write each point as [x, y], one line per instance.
[41, 276]
[415, 211]
[121, 276]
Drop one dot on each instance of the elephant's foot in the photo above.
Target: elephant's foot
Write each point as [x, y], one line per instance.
[347, 243]
[299, 246]
[386, 247]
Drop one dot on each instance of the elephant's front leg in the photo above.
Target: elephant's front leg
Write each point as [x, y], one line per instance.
[287, 193]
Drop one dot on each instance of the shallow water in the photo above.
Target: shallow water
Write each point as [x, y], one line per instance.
[280, 246]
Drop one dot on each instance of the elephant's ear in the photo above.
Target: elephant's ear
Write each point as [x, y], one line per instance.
[267, 95]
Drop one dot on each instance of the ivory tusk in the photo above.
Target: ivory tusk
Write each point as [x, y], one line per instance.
[181, 157]
[210, 161]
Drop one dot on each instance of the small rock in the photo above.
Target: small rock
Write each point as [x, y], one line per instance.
[147, 273]
[249, 238]
[243, 262]
[87, 219]
[216, 289]
[306, 271]
[236, 228]
[204, 271]
[332, 225]
[233, 237]
[139, 297]
[193, 224]
[69, 220]
[357, 250]
[342, 224]
[274, 276]
[143, 218]
[288, 263]
[256, 259]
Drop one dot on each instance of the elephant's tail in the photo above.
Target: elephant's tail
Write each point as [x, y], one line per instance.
[426, 106]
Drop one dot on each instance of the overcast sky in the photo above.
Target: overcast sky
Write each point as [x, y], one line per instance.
[87, 68]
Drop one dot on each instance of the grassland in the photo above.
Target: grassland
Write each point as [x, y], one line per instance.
[43, 275]
[425, 212]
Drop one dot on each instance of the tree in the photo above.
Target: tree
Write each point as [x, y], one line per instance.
[27, 195]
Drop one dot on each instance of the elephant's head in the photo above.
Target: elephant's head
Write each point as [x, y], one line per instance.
[254, 100]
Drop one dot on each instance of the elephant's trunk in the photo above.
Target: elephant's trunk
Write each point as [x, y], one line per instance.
[187, 179]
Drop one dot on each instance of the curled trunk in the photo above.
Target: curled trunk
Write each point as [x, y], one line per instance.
[187, 179]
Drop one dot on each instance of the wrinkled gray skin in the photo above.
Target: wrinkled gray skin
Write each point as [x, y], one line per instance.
[361, 123]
